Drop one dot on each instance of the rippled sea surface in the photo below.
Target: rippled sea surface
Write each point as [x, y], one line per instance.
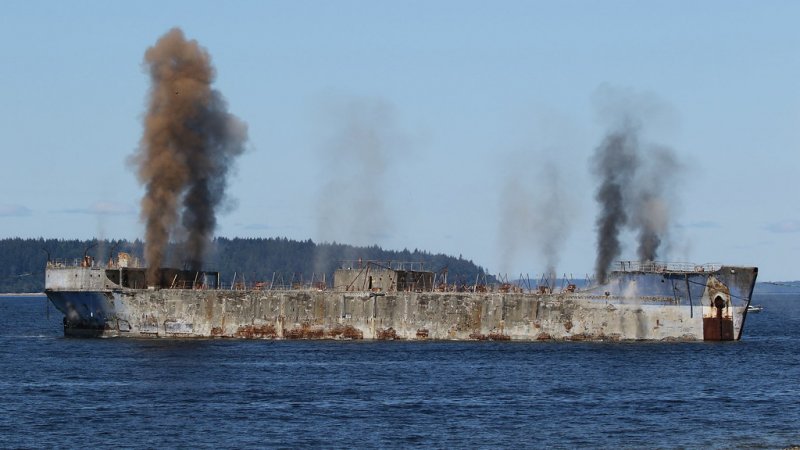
[63, 392]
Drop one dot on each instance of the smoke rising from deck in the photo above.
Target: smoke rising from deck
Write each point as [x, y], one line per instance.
[186, 150]
[534, 215]
[651, 209]
[515, 221]
[552, 224]
[361, 136]
[614, 163]
[636, 182]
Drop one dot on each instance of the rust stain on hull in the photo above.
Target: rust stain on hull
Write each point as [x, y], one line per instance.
[389, 334]
[346, 332]
[493, 336]
[266, 331]
[305, 331]
[718, 329]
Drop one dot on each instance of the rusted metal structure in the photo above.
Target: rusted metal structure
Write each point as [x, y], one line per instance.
[640, 301]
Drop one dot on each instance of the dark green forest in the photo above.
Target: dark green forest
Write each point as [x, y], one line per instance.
[22, 261]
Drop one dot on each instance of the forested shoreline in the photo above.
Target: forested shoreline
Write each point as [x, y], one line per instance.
[23, 260]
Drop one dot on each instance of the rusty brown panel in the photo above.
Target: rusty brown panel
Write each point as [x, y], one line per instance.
[493, 336]
[345, 332]
[507, 288]
[351, 332]
[478, 336]
[717, 328]
[294, 333]
[266, 331]
[544, 290]
[422, 333]
[544, 337]
[594, 337]
[305, 331]
[388, 334]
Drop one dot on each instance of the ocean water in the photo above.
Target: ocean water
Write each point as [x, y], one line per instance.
[67, 393]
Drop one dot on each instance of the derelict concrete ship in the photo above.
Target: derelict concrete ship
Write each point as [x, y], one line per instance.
[640, 301]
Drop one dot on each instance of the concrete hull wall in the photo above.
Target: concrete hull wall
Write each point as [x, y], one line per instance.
[309, 314]
[599, 314]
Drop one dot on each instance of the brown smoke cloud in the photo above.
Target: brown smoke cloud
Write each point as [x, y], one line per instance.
[186, 151]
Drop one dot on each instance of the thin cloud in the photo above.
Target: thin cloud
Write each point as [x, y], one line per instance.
[380, 236]
[754, 246]
[785, 226]
[700, 224]
[263, 227]
[102, 208]
[257, 226]
[14, 211]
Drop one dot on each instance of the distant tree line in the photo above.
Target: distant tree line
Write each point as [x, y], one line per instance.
[778, 287]
[22, 261]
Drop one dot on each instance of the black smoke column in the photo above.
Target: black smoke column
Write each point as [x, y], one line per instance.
[614, 163]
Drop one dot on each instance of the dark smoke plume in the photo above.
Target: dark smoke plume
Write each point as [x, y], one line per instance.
[614, 162]
[186, 150]
[637, 181]
[651, 202]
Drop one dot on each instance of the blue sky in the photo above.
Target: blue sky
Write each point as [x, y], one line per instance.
[469, 100]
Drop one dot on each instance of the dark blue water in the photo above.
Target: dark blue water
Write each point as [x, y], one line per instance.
[60, 392]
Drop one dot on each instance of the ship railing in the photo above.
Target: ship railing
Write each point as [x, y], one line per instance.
[409, 266]
[89, 262]
[196, 285]
[659, 267]
[63, 263]
[274, 286]
[493, 288]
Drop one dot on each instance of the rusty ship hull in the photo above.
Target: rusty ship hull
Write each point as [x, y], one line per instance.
[654, 303]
